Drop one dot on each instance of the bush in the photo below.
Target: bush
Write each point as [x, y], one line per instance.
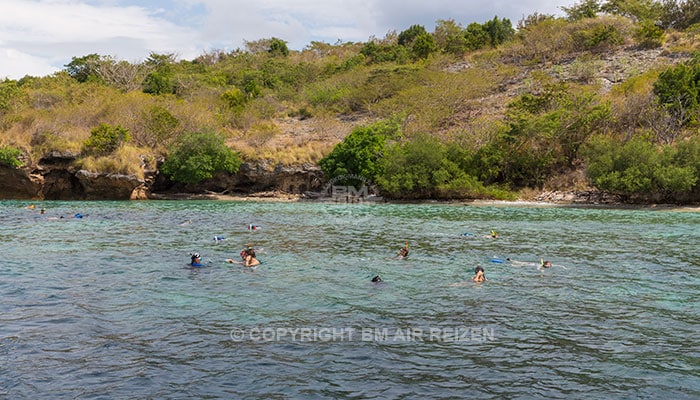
[360, 152]
[9, 157]
[678, 91]
[197, 156]
[597, 36]
[422, 168]
[10, 91]
[234, 98]
[104, 139]
[159, 82]
[160, 126]
[649, 35]
[638, 167]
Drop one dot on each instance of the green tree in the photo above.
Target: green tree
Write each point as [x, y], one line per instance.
[582, 9]
[638, 167]
[425, 167]
[85, 68]
[197, 156]
[105, 138]
[359, 154]
[161, 80]
[637, 9]
[377, 53]
[680, 14]
[158, 83]
[423, 46]
[407, 37]
[499, 31]
[449, 37]
[678, 91]
[278, 47]
[476, 37]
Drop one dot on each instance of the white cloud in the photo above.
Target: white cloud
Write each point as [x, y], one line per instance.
[50, 33]
[38, 37]
[16, 64]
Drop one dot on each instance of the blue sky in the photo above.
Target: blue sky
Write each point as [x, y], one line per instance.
[38, 37]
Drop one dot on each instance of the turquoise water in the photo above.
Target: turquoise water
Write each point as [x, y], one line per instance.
[105, 306]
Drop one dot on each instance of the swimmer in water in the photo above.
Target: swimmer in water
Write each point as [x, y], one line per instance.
[377, 279]
[479, 274]
[196, 260]
[249, 259]
[494, 234]
[403, 252]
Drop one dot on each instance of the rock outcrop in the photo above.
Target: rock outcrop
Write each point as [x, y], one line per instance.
[56, 178]
[251, 178]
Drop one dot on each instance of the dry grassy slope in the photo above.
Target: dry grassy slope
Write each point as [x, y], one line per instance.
[305, 141]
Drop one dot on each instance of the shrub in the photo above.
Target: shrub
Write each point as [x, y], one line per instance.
[160, 126]
[649, 35]
[9, 157]
[678, 91]
[360, 152]
[407, 37]
[105, 138]
[10, 91]
[197, 156]
[159, 82]
[234, 98]
[597, 37]
[638, 167]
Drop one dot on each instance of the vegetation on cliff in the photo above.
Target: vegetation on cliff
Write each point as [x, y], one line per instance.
[480, 111]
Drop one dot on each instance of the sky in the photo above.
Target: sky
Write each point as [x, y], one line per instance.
[39, 37]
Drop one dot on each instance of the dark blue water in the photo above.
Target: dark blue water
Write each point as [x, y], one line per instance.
[105, 307]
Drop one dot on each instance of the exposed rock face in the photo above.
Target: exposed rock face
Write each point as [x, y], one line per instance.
[56, 179]
[20, 184]
[579, 197]
[106, 186]
[251, 178]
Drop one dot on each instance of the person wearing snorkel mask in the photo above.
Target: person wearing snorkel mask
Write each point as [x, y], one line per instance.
[196, 260]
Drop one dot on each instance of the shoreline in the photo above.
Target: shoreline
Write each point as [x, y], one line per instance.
[292, 198]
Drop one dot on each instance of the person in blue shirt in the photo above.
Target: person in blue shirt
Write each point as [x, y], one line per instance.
[196, 260]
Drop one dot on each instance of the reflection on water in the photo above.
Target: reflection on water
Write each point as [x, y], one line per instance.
[106, 307]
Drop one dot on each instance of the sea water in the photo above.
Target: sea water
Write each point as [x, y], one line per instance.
[105, 306]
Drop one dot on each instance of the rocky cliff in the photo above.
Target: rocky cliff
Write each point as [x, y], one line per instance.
[56, 178]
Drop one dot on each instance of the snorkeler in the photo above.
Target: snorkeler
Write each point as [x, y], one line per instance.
[479, 274]
[403, 252]
[545, 264]
[196, 260]
[249, 259]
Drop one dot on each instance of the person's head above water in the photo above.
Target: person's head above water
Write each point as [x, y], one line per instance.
[478, 268]
[377, 278]
[546, 264]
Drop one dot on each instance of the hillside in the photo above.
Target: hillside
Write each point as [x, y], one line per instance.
[483, 111]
